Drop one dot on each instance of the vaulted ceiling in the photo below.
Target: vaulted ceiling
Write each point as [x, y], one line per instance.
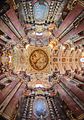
[48, 31]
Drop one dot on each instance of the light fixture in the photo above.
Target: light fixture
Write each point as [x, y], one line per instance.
[63, 47]
[10, 59]
[81, 59]
[39, 33]
[39, 86]
[80, 50]
[27, 46]
[72, 48]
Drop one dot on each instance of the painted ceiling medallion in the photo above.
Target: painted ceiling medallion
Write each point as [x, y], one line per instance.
[40, 108]
[40, 11]
[38, 59]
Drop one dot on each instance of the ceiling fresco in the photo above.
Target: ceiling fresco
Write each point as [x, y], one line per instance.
[38, 59]
[40, 11]
[40, 107]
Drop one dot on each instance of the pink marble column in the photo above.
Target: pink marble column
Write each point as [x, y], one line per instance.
[7, 90]
[73, 32]
[2, 76]
[2, 42]
[11, 108]
[69, 19]
[14, 19]
[79, 77]
[6, 30]
[76, 110]
[78, 42]
[78, 92]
